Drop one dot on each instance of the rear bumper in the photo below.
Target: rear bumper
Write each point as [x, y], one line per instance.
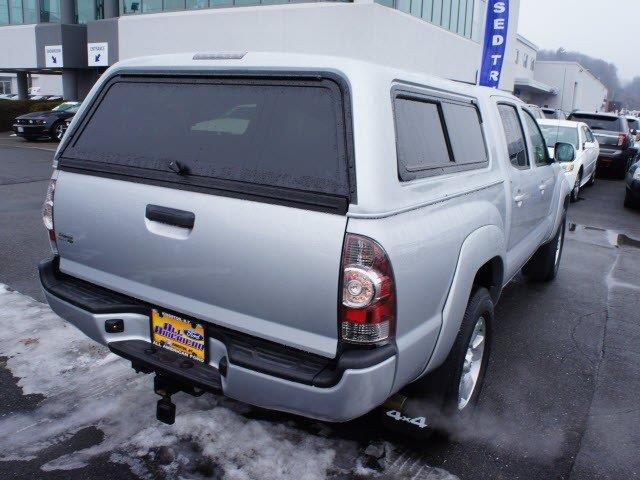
[633, 188]
[254, 372]
[31, 130]
[614, 159]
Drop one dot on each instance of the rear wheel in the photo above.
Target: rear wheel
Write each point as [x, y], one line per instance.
[592, 179]
[575, 193]
[58, 129]
[443, 399]
[544, 265]
[628, 200]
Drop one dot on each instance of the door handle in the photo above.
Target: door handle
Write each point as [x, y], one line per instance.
[170, 216]
[519, 198]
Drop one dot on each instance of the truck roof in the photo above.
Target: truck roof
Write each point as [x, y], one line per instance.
[256, 61]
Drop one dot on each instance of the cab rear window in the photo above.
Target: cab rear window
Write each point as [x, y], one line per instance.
[600, 122]
[286, 135]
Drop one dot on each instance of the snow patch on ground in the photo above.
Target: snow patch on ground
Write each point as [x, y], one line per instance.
[85, 385]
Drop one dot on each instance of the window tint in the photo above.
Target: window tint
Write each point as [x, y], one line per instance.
[436, 136]
[540, 154]
[554, 134]
[515, 136]
[589, 134]
[276, 135]
[600, 122]
[421, 140]
[634, 123]
[465, 133]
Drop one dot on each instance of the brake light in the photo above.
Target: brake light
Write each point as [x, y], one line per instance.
[368, 307]
[47, 215]
[623, 140]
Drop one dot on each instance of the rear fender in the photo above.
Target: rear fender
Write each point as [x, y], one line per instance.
[479, 247]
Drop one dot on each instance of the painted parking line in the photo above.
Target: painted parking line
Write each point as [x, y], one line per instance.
[16, 145]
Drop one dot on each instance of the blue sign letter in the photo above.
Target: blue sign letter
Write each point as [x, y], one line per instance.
[495, 43]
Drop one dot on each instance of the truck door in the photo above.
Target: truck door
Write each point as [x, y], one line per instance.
[545, 172]
[522, 184]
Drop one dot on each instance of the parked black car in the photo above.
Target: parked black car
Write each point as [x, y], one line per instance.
[50, 123]
[617, 150]
[632, 197]
[554, 114]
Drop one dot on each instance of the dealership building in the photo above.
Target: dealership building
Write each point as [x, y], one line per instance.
[563, 85]
[63, 46]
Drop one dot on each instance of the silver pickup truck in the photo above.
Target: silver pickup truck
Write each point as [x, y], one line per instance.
[311, 234]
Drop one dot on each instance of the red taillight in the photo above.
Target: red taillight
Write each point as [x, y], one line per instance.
[368, 306]
[623, 140]
[47, 215]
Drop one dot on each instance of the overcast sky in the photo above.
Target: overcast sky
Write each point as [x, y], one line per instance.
[607, 29]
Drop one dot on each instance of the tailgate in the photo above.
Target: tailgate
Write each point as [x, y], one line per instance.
[222, 199]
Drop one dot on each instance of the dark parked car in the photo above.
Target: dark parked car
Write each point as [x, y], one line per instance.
[50, 123]
[617, 150]
[632, 197]
[634, 126]
[554, 114]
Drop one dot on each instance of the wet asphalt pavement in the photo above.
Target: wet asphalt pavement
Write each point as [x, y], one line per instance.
[562, 395]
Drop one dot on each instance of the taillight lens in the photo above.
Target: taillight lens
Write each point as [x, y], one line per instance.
[622, 140]
[368, 307]
[47, 214]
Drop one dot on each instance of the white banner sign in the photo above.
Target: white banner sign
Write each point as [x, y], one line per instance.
[98, 54]
[53, 56]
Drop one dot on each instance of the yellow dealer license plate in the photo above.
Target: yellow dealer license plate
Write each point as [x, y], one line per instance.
[178, 335]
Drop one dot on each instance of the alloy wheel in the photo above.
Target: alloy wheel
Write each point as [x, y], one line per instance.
[472, 364]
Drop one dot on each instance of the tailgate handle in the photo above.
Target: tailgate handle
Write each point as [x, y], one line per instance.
[171, 216]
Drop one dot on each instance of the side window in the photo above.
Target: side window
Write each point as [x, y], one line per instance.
[437, 136]
[540, 154]
[514, 135]
[465, 133]
[590, 137]
[421, 141]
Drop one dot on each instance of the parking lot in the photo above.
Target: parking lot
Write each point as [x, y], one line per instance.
[560, 401]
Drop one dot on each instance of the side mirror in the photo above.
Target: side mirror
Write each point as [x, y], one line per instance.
[634, 132]
[565, 152]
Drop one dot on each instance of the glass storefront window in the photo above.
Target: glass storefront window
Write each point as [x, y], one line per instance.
[197, 4]
[454, 15]
[130, 6]
[50, 11]
[149, 6]
[4, 12]
[174, 5]
[15, 10]
[29, 11]
[84, 11]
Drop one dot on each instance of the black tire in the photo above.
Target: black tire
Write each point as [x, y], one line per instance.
[544, 265]
[31, 139]
[575, 193]
[628, 200]
[434, 399]
[480, 306]
[592, 180]
[623, 169]
[57, 130]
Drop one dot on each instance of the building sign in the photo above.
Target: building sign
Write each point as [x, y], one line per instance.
[98, 54]
[53, 56]
[495, 43]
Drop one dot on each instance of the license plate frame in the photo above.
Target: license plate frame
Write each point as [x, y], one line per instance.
[179, 335]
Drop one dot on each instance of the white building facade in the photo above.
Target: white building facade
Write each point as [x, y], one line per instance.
[567, 86]
[440, 37]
